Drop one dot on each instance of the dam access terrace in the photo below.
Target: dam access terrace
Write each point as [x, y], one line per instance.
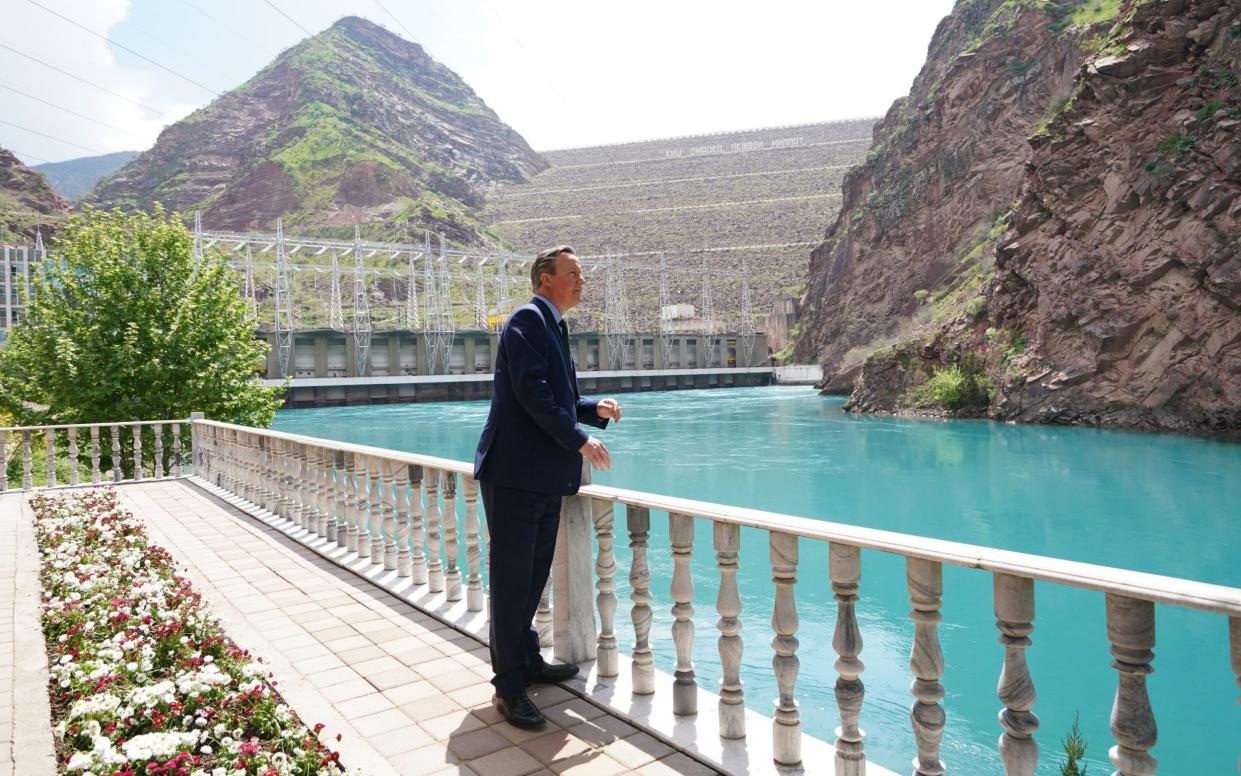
[762, 585]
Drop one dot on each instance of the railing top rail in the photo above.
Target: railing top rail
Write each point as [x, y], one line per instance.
[104, 424]
[1219, 599]
[445, 464]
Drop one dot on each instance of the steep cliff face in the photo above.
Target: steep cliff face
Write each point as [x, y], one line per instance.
[1081, 266]
[947, 160]
[352, 125]
[27, 202]
[1123, 267]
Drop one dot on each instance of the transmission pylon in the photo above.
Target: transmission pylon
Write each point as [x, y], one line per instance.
[284, 304]
[665, 301]
[335, 311]
[746, 331]
[443, 297]
[480, 297]
[38, 242]
[411, 294]
[361, 308]
[198, 236]
[616, 314]
[252, 297]
[708, 314]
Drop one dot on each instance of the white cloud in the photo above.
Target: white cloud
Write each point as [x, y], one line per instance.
[57, 42]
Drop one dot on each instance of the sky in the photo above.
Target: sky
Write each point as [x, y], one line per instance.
[563, 73]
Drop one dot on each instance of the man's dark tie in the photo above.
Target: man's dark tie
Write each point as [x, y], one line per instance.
[564, 337]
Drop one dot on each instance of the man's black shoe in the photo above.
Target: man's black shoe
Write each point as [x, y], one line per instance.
[519, 710]
[550, 673]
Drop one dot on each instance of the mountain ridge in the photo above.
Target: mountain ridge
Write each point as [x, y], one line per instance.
[353, 125]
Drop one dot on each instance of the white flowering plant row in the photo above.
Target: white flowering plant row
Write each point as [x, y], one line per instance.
[143, 679]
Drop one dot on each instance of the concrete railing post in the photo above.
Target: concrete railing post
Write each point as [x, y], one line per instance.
[573, 612]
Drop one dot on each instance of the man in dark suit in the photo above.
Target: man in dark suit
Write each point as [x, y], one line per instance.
[529, 456]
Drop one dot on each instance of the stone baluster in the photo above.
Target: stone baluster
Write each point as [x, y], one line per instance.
[404, 563]
[728, 604]
[786, 741]
[95, 475]
[379, 506]
[685, 688]
[435, 569]
[1014, 616]
[845, 571]
[338, 526]
[305, 485]
[1131, 630]
[263, 475]
[157, 468]
[116, 452]
[606, 656]
[325, 463]
[1234, 640]
[275, 476]
[638, 521]
[27, 461]
[390, 507]
[245, 465]
[417, 557]
[136, 431]
[544, 621]
[4, 460]
[178, 468]
[299, 486]
[73, 455]
[474, 599]
[357, 501]
[49, 440]
[924, 579]
[452, 548]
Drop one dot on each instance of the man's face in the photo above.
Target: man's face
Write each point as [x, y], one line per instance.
[565, 287]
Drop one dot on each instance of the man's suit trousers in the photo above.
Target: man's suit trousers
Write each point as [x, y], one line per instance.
[522, 525]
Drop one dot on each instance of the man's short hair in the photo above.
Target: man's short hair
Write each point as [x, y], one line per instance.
[546, 262]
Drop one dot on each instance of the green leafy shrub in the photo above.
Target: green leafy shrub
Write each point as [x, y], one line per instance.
[1176, 143]
[921, 294]
[975, 306]
[962, 385]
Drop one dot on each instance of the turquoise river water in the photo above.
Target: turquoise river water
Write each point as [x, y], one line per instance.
[1158, 503]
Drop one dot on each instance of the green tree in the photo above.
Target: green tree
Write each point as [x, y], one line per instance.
[124, 324]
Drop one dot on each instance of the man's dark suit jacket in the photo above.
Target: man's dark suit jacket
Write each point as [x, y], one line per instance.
[531, 438]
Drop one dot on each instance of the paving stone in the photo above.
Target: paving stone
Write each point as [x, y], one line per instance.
[476, 743]
[506, 762]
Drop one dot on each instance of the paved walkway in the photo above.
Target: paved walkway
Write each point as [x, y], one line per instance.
[408, 695]
[26, 747]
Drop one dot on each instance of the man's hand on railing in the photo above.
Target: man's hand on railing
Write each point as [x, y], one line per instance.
[597, 453]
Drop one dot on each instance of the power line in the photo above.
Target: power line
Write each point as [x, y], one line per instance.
[398, 21]
[72, 112]
[123, 47]
[36, 60]
[282, 13]
[221, 24]
[49, 137]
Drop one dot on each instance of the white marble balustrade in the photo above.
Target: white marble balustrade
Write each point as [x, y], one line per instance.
[399, 512]
[91, 453]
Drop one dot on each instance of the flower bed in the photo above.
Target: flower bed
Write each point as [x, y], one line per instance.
[144, 681]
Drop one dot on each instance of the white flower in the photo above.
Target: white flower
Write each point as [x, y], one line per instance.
[161, 745]
[102, 704]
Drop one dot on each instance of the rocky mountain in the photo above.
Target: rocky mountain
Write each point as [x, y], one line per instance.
[1048, 227]
[27, 202]
[352, 125]
[74, 177]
